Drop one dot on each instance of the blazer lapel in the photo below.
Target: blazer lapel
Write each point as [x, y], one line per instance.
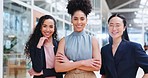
[110, 62]
[113, 61]
[55, 43]
[120, 52]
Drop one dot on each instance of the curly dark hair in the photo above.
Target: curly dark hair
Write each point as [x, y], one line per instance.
[83, 5]
[34, 38]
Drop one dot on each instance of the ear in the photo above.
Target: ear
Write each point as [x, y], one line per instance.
[71, 21]
[125, 28]
[86, 21]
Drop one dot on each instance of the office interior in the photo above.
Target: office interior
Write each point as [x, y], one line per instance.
[19, 17]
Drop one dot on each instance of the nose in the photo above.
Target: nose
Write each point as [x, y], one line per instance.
[48, 29]
[114, 27]
[79, 21]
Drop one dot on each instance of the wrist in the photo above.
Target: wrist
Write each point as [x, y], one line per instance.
[39, 46]
[42, 72]
[82, 62]
[145, 75]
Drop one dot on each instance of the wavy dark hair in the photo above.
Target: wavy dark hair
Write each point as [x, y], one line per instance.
[125, 34]
[83, 5]
[36, 35]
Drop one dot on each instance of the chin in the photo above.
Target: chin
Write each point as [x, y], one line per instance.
[79, 30]
[48, 36]
[115, 37]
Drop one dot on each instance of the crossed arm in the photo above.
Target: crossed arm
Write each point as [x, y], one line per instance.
[62, 64]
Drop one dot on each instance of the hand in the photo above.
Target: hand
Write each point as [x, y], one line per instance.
[61, 58]
[145, 76]
[41, 42]
[33, 73]
[92, 63]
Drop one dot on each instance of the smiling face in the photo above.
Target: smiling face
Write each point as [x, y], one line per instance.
[79, 21]
[116, 27]
[47, 28]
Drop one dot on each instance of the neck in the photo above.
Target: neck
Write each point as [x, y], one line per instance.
[116, 42]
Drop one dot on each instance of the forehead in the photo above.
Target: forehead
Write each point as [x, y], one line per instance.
[79, 13]
[50, 21]
[116, 20]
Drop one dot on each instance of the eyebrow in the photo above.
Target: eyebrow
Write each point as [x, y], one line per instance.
[78, 17]
[113, 23]
[43, 24]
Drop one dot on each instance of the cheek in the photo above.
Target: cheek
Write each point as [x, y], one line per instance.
[84, 22]
[43, 29]
[122, 30]
[53, 30]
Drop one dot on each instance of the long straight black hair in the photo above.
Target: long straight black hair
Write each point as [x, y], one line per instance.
[125, 34]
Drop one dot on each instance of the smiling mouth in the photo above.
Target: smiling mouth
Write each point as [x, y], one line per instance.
[47, 33]
[79, 26]
[114, 33]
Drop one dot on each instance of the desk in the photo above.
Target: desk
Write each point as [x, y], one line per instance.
[15, 66]
[16, 69]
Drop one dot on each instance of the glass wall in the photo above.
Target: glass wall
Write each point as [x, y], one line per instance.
[27, 1]
[145, 26]
[16, 27]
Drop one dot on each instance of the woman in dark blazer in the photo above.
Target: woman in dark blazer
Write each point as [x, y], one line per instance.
[121, 58]
[42, 47]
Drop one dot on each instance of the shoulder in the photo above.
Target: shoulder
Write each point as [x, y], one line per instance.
[105, 48]
[67, 37]
[62, 41]
[95, 42]
[134, 44]
[94, 39]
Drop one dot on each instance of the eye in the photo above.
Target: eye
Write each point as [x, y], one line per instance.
[75, 18]
[44, 25]
[117, 25]
[82, 18]
[111, 25]
[51, 26]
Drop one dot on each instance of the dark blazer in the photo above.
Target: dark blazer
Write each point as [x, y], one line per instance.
[38, 61]
[128, 58]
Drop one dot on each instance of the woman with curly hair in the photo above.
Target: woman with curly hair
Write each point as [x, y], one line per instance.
[78, 54]
[42, 47]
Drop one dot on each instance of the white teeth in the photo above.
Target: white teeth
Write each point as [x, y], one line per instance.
[79, 26]
[47, 33]
[114, 32]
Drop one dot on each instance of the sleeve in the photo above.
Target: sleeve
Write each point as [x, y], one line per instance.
[36, 58]
[102, 70]
[141, 57]
[49, 72]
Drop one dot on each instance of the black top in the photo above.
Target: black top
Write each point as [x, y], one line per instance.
[38, 61]
[128, 58]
